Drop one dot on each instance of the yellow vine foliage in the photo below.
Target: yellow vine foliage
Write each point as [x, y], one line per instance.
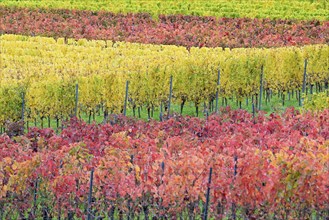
[46, 71]
[274, 9]
[317, 102]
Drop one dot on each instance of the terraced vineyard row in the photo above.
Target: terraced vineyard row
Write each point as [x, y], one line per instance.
[260, 167]
[47, 71]
[188, 31]
[274, 9]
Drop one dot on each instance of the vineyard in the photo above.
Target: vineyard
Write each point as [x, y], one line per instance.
[133, 109]
[187, 31]
[274, 9]
[260, 167]
[47, 71]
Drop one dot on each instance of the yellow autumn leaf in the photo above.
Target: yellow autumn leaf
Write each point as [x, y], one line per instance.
[137, 169]
[7, 160]
[14, 166]
[137, 173]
